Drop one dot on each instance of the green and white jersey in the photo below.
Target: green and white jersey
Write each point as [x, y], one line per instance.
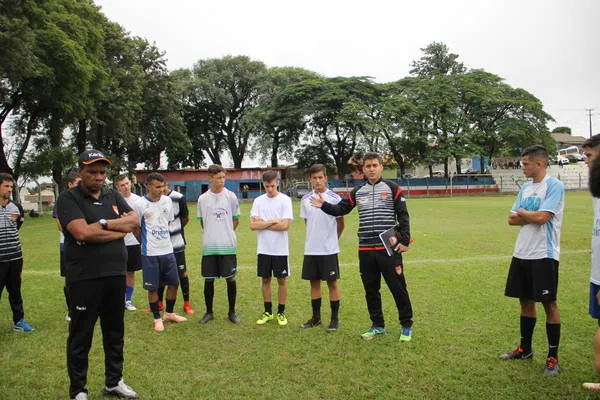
[217, 212]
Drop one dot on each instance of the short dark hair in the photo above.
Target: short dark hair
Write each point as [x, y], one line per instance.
[215, 169]
[372, 156]
[121, 177]
[537, 151]
[268, 176]
[591, 142]
[72, 176]
[5, 176]
[316, 168]
[154, 176]
[594, 179]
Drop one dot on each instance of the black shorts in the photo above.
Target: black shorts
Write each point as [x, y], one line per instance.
[533, 279]
[180, 260]
[276, 266]
[321, 268]
[219, 266]
[63, 267]
[134, 258]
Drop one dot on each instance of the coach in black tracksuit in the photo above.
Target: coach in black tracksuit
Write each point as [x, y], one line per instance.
[380, 206]
[94, 221]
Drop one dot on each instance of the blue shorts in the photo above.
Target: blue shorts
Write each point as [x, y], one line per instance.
[157, 270]
[594, 307]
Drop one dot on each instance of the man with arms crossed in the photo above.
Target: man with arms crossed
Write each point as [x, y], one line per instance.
[591, 148]
[533, 273]
[321, 248]
[219, 212]
[134, 255]
[381, 206]
[270, 216]
[155, 210]
[95, 220]
[11, 254]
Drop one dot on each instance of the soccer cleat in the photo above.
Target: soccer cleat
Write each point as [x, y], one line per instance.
[552, 367]
[207, 317]
[129, 306]
[517, 354]
[264, 318]
[173, 317]
[234, 318]
[121, 390]
[334, 325]
[282, 319]
[22, 326]
[406, 334]
[158, 325]
[81, 396]
[310, 323]
[372, 332]
[187, 308]
[594, 387]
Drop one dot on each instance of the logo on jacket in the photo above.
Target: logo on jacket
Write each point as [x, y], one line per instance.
[384, 195]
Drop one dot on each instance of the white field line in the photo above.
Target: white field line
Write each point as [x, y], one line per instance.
[346, 265]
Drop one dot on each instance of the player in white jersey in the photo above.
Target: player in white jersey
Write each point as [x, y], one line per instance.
[219, 213]
[321, 248]
[591, 149]
[158, 261]
[270, 216]
[533, 274]
[134, 256]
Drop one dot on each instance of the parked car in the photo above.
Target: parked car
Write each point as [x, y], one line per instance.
[298, 190]
[575, 158]
[560, 160]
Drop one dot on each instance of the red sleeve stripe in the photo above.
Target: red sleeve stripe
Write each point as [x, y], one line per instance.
[350, 199]
[398, 193]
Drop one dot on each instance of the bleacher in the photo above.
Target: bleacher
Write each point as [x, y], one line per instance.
[574, 177]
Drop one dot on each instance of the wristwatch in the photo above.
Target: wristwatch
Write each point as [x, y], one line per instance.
[103, 223]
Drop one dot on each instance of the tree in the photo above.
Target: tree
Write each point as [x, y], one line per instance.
[437, 61]
[562, 129]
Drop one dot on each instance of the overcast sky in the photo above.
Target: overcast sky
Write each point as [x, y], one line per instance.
[547, 47]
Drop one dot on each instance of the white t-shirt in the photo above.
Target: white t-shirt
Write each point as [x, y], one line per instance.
[274, 243]
[595, 275]
[133, 198]
[154, 225]
[321, 228]
[534, 241]
[217, 212]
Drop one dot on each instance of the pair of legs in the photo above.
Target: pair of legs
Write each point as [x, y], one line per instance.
[134, 263]
[267, 267]
[317, 268]
[10, 276]
[219, 266]
[184, 283]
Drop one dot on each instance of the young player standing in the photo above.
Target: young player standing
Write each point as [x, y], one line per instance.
[219, 213]
[158, 261]
[533, 273]
[321, 248]
[270, 216]
[134, 255]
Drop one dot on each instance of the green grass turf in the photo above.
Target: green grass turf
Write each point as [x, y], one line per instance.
[456, 272]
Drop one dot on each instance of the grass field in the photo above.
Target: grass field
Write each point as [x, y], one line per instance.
[456, 272]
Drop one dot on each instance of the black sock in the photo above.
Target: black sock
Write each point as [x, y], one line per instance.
[161, 293]
[268, 307]
[170, 305]
[154, 308]
[527, 327]
[231, 295]
[280, 308]
[67, 299]
[184, 283]
[316, 309]
[553, 333]
[335, 308]
[209, 294]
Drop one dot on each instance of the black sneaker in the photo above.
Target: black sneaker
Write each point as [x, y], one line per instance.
[334, 325]
[207, 317]
[234, 318]
[311, 323]
[552, 367]
[517, 354]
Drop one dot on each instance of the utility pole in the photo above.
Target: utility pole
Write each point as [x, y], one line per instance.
[589, 111]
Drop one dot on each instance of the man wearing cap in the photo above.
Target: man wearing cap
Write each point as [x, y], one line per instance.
[95, 220]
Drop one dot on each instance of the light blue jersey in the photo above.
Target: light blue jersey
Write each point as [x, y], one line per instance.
[534, 241]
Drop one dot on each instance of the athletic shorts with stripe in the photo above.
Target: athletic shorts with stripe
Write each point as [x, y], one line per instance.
[219, 266]
[277, 266]
[321, 267]
[533, 279]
